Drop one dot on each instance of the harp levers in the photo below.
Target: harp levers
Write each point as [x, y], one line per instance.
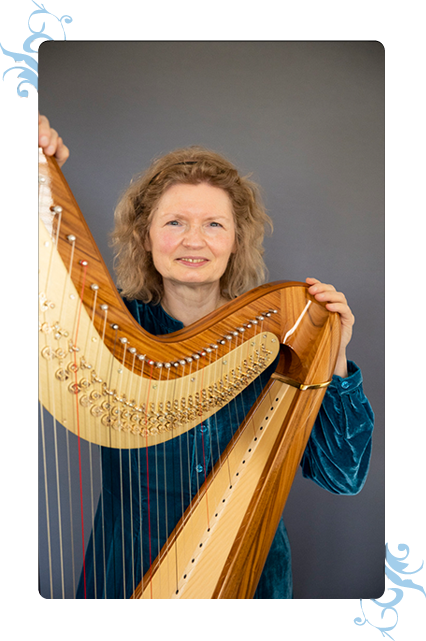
[113, 385]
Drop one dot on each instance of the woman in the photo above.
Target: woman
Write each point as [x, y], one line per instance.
[188, 238]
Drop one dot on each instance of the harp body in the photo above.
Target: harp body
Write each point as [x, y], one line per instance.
[108, 381]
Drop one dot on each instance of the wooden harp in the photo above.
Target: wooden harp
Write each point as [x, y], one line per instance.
[114, 385]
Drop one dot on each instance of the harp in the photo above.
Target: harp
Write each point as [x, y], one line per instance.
[112, 385]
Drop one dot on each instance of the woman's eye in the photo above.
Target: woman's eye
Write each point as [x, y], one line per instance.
[176, 223]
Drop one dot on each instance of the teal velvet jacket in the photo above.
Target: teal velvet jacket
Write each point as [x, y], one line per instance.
[136, 514]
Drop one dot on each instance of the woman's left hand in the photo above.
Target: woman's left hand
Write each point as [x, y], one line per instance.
[335, 302]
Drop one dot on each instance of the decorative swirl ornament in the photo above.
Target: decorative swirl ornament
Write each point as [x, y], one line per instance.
[395, 566]
[29, 73]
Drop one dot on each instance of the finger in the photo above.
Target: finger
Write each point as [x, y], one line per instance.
[57, 148]
[50, 149]
[344, 311]
[44, 131]
[318, 287]
[331, 296]
[313, 284]
[62, 152]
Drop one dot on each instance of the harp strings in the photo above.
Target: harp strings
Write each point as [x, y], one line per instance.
[230, 362]
[56, 343]
[152, 472]
[29, 265]
[183, 383]
[94, 351]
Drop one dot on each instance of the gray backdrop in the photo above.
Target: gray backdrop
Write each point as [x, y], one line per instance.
[306, 119]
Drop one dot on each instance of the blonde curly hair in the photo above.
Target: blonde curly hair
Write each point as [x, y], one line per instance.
[136, 275]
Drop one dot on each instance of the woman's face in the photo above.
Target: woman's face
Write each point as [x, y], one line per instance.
[192, 234]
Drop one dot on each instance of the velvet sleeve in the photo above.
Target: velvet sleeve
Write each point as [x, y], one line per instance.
[337, 455]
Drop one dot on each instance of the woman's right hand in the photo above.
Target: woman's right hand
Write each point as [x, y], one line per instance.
[51, 143]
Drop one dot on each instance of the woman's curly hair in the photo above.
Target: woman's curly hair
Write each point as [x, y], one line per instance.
[136, 275]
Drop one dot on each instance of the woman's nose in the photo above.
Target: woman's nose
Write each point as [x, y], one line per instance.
[193, 237]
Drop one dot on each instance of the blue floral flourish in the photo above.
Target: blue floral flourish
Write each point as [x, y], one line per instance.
[29, 72]
[394, 567]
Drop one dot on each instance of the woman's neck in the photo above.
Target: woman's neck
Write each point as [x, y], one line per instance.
[188, 304]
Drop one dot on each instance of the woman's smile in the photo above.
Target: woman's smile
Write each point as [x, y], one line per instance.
[192, 262]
